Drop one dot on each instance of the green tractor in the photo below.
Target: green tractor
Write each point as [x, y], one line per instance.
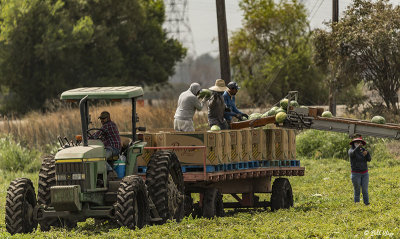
[74, 184]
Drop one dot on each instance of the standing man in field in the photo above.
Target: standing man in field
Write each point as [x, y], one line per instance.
[229, 99]
[188, 103]
[109, 135]
[216, 105]
[359, 169]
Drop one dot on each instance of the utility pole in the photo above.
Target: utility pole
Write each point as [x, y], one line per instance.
[332, 86]
[223, 42]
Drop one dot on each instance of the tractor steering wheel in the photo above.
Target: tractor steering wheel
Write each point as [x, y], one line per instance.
[101, 136]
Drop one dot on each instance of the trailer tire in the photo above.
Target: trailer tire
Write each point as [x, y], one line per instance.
[282, 195]
[20, 204]
[132, 206]
[213, 204]
[164, 180]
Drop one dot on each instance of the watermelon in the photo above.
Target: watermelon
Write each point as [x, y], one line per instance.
[280, 110]
[275, 108]
[294, 103]
[280, 117]
[271, 112]
[205, 93]
[378, 120]
[284, 103]
[327, 114]
[304, 107]
[265, 114]
[255, 116]
[215, 128]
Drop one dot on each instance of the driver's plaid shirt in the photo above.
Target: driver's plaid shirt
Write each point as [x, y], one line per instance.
[111, 136]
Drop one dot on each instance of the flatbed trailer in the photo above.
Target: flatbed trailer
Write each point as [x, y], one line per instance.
[248, 182]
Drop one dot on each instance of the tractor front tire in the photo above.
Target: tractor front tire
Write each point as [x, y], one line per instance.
[20, 203]
[164, 180]
[213, 204]
[47, 179]
[132, 207]
[282, 195]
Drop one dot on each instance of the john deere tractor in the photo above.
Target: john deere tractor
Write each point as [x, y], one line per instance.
[75, 185]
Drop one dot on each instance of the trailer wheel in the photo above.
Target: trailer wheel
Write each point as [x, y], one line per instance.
[132, 207]
[165, 185]
[47, 179]
[282, 196]
[20, 202]
[213, 204]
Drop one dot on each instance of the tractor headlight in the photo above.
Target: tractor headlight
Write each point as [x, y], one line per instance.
[61, 177]
[78, 176]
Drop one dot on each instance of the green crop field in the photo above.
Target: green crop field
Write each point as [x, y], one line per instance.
[323, 209]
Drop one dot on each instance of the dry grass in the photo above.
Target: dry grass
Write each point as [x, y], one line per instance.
[40, 131]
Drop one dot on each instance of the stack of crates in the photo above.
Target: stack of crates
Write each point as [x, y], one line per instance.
[227, 149]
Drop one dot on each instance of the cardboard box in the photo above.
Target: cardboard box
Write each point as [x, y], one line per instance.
[292, 144]
[226, 146]
[281, 144]
[212, 141]
[270, 144]
[236, 145]
[144, 159]
[246, 145]
[258, 147]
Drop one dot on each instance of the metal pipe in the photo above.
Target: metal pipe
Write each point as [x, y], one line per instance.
[134, 137]
[83, 111]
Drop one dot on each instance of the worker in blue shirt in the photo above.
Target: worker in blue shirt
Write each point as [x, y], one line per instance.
[229, 98]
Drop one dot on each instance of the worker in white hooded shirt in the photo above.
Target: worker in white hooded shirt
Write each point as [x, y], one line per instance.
[188, 103]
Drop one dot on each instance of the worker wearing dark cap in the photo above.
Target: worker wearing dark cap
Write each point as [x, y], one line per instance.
[109, 135]
[229, 98]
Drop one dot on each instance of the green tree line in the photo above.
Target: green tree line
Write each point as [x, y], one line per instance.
[47, 46]
[276, 51]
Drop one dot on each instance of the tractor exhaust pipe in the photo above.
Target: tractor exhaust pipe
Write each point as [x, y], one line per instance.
[84, 110]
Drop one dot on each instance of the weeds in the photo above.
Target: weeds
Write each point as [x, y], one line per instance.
[40, 131]
[14, 157]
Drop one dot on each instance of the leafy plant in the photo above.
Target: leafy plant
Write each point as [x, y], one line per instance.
[321, 144]
[14, 157]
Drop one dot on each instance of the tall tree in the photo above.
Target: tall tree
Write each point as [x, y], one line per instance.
[365, 45]
[47, 46]
[272, 53]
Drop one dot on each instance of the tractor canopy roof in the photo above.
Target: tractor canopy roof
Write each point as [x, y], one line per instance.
[117, 92]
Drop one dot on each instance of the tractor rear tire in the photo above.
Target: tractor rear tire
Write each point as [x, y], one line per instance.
[132, 206]
[282, 195]
[20, 203]
[47, 179]
[213, 204]
[164, 180]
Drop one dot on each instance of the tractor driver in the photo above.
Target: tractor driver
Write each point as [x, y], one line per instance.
[109, 134]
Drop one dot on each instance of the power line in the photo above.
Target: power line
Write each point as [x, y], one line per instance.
[319, 6]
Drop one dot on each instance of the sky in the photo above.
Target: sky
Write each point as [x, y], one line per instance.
[203, 20]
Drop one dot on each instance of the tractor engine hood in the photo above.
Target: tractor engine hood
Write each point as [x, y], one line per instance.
[81, 152]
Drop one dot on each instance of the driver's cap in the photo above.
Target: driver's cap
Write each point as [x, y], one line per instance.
[104, 115]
